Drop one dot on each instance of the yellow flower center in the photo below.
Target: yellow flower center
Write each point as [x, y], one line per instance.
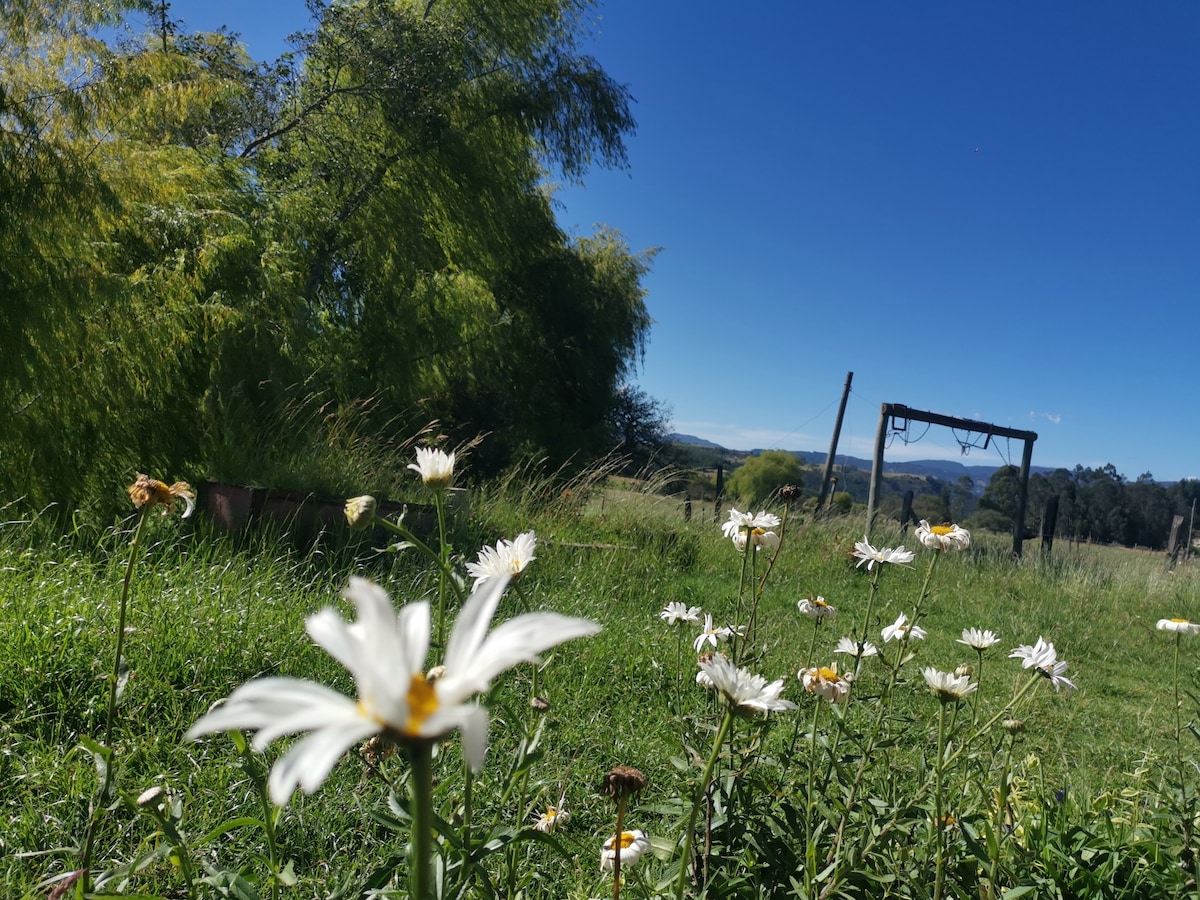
[821, 603]
[1182, 621]
[627, 839]
[422, 703]
[826, 674]
[942, 529]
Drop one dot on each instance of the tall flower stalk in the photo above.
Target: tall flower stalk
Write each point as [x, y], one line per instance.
[145, 494]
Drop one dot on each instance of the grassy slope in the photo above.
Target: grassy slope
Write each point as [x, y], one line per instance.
[207, 616]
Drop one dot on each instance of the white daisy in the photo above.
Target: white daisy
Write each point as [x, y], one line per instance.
[506, 558]
[554, 817]
[851, 646]
[900, 630]
[711, 635]
[762, 540]
[745, 521]
[980, 640]
[943, 537]
[1179, 626]
[385, 651]
[1043, 657]
[677, 612]
[436, 467]
[632, 845]
[865, 553]
[947, 687]
[817, 608]
[744, 689]
[824, 681]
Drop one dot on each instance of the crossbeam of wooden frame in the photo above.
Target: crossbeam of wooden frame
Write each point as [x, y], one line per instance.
[891, 411]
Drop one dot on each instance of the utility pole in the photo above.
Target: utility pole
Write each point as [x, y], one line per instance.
[837, 430]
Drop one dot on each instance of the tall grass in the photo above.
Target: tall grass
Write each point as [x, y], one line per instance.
[1091, 805]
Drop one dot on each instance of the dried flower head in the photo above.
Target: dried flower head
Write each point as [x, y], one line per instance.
[151, 797]
[790, 493]
[540, 704]
[360, 511]
[623, 781]
[150, 492]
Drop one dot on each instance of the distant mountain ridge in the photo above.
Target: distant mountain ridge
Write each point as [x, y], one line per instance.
[946, 470]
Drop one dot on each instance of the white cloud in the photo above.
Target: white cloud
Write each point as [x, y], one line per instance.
[1052, 418]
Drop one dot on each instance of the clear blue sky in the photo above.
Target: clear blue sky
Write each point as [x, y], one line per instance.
[985, 210]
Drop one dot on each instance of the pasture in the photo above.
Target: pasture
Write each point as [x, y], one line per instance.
[1017, 789]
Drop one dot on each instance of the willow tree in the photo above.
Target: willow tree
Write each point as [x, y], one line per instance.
[212, 259]
[412, 165]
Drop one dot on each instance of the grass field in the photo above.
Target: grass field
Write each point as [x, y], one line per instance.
[890, 794]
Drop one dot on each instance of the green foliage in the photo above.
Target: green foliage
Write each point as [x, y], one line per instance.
[761, 476]
[198, 250]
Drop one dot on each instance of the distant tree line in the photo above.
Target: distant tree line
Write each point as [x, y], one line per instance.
[262, 271]
[1093, 504]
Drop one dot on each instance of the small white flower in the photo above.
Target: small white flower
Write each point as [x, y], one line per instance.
[553, 818]
[745, 521]
[947, 687]
[943, 537]
[1179, 626]
[851, 646]
[865, 553]
[817, 608]
[385, 651]
[507, 558]
[436, 467]
[744, 689]
[900, 630]
[824, 681]
[632, 845]
[677, 612]
[1043, 657]
[711, 635]
[762, 540]
[980, 640]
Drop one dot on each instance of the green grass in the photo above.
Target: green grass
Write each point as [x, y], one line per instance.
[207, 614]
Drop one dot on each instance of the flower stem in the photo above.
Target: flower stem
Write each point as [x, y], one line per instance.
[113, 698]
[938, 800]
[444, 575]
[701, 792]
[421, 756]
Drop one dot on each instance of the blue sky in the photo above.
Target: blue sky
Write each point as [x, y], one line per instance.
[989, 211]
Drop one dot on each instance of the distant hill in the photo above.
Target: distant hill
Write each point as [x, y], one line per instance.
[945, 470]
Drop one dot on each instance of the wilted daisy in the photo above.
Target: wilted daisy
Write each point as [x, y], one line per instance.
[632, 845]
[677, 612]
[745, 521]
[851, 646]
[744, 689]
[150, 492]
[980, 640]
[506, 558]
[712, 635]
[824, 681]
[1179, 626]
[865, 553]
[816, 608]
[761, 539]
[553, 818]
[900, 630]
[948, 687]
[360, 511]
[1043, 657]
[943, 537]
[385, 651]
[436, 467]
